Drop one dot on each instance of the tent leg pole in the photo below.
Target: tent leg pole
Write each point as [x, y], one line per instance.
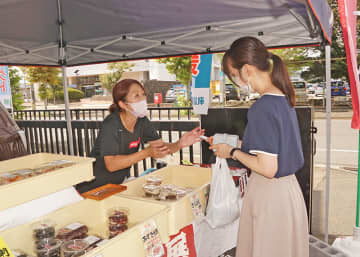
[328, 137]
[67, 112]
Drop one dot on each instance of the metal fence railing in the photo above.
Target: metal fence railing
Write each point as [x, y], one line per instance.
[51, 136]
[159, 113]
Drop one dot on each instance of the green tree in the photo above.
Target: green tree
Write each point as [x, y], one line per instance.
[312, 59]
[45, 76]
[17, 97]
[338, 54]
[181, 67]
[116, 69]
[56, 87]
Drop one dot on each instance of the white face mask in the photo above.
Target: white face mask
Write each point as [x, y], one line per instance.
[251, 90]
[238, 82]
[139, 108]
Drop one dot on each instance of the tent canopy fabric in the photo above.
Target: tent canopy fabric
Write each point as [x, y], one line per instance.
[76, 32]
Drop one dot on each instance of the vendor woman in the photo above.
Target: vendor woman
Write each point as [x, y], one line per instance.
[273, 220]
[117, 145]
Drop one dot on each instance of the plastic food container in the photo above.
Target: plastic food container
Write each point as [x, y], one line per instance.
[92, 241]
[151, 190]
[180, 192]
[8, 177]
[24, 173]
[44, 229]
[73, 231]
[118, 220]
[168, 192]
[74, 248]
[19, 253]
[48, 248]
[54, 165]
[154, 180]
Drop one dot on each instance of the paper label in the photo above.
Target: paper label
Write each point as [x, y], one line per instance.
[102, 242]
[74, 226]
[200, 99]
[4, 249]
[92, 239]
[151, 240]
[196, 205]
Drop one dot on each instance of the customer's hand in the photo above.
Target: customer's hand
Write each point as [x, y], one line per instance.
[221, 150]
[191, 137]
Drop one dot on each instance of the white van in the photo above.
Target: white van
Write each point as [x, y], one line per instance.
[300, 91]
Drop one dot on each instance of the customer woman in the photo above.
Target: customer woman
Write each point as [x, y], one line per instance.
[117, 145]
[273, 220]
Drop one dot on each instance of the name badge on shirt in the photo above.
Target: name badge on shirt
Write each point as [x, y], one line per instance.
[134, 144]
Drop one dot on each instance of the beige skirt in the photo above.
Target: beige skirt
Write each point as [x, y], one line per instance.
[273, 220]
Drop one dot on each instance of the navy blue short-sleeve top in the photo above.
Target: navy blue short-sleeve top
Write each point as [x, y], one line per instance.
[273, 129]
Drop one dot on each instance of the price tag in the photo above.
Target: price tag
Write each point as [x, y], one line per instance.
[196, 205]
[4, 250]
[74, 226]
[151, 240]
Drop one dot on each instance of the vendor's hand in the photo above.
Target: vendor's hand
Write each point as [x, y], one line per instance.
[157, 143]
[222, 150]
[191, 137]
[158, 152]
[239, 143]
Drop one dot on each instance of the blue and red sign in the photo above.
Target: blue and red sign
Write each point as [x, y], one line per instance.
[201, 70]
[5, 91]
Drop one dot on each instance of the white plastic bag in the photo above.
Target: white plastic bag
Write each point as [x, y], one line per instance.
[223, 207]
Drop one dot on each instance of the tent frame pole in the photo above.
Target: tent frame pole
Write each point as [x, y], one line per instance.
[62, 61]
[67, 112]
[328, 137]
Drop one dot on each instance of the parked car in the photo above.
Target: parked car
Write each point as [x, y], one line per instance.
[348, 89]
[310, 89]
[300, 91]
[170, 96]
[338, 88]
[320, 89]
[231, 92]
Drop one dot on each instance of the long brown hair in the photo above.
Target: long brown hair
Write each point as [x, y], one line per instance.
[120, 91]
[250, 50]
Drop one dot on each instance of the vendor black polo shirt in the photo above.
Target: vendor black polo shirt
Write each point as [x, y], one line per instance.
[115, 139]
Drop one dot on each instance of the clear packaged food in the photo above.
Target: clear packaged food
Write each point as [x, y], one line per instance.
[53, 165]
[180, 192]
[44, 229]
[73, 231]
[48, 248]
[154, 180]
[118, 215]
[8, 177]
[74, 248]
[118, 220]
[19, 253]
[23, 173]
[44, 169]
[168, 192]
[93, 241]
[117, 231]
[151, 190]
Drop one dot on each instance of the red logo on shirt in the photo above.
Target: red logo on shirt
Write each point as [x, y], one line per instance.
[134, 144]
